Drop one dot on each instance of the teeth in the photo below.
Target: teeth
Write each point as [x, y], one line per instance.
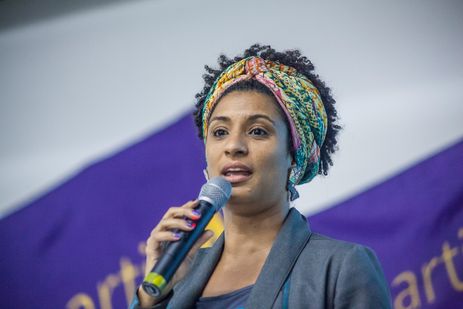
[229, 172]
[236, 171]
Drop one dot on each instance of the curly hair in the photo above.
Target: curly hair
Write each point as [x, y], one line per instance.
[292, 58]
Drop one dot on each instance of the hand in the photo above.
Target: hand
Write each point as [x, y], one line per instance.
[180, 218]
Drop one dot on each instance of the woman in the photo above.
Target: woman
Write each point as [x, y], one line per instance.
[268, 124]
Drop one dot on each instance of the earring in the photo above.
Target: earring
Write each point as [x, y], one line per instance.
[206, 175]
[292, 192]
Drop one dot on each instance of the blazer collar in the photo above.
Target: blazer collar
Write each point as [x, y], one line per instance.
[289, 243]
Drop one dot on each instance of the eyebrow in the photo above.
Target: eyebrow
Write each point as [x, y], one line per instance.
[251, 118]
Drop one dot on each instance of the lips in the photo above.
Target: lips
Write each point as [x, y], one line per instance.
[236, 172]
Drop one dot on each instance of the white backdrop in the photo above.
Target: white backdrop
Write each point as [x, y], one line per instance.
[79, 86]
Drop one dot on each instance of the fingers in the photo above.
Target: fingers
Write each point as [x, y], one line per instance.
[180, 218]
[185, 210]
[174, 220]
[191, 204]
[181, 224]
[159, 237]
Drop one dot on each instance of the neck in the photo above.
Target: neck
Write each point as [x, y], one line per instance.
[253, 234]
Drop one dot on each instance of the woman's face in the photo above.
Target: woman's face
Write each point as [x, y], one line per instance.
[247, 143]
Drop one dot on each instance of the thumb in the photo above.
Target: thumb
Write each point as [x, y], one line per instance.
[204, 237]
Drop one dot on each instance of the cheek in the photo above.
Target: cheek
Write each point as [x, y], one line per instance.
[275, 165]
[211, 160]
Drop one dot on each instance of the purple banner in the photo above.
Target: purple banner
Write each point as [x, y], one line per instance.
[81, 244]
[78, 246]
[414, 222]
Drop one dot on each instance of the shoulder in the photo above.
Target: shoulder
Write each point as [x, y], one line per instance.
[338, 248]
[351, 271]
[340, 255]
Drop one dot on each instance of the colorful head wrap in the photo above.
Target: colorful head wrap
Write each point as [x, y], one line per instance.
[298, 98]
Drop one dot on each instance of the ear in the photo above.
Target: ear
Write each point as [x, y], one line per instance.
[206, 169]
[206, 174]
[290, 160]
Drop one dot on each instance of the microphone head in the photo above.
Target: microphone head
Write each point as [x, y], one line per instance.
[216, 191]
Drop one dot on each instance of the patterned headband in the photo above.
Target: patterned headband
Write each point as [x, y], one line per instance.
[298, 98]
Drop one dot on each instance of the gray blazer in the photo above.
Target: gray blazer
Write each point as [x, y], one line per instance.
[302, 270]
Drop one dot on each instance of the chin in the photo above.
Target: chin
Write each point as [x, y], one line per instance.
[241, 192]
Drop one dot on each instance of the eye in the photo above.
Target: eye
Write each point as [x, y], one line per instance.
[219, 132]
[258, 132]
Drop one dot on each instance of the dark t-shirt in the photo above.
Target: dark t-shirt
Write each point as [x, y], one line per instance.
[232, 300]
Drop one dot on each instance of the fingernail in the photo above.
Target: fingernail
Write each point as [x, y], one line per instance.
[176, 235]
[196, 213]
[189, 223]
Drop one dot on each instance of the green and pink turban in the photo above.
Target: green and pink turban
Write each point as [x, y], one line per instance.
[297, 97]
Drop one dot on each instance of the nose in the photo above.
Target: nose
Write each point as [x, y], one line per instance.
[236, 145]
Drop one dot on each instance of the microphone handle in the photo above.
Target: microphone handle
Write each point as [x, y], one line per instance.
[175, 253]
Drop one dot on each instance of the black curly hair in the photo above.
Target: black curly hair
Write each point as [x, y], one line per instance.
[292, 58]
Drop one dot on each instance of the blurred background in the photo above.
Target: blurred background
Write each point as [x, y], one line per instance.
[97, 141]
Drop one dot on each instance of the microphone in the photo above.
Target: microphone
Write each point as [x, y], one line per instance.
[213, 196]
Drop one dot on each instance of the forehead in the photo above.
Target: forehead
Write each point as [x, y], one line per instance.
[246, 103]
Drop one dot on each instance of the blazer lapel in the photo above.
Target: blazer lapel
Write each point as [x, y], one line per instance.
[290, 241]
[187, 292]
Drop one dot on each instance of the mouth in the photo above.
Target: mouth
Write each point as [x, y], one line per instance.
[236, 172]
